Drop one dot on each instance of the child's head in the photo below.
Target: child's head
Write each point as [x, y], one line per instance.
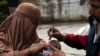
[55, 43]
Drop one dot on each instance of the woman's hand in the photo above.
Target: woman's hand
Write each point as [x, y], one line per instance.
[36, 48]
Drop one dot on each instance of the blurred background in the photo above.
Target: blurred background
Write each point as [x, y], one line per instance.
[52, 10]
[66, 15]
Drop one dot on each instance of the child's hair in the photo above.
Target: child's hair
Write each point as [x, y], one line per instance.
[55, 43]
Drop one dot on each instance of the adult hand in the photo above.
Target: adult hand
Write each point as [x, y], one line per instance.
[36, 48]
[57, 52]
[54, 32]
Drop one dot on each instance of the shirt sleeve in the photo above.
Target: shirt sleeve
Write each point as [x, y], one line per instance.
[79, 39]
[76, 41]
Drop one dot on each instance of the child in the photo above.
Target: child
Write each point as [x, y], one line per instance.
[49, 51]
[55, 43]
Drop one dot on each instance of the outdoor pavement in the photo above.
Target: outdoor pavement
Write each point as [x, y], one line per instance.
[63, 27]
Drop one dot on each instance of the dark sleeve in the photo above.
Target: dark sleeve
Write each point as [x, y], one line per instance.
[76, 41]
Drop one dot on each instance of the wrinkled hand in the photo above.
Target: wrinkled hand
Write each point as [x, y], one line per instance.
[57, 52]
[54, 32]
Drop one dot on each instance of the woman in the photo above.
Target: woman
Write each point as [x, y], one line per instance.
[18, 32]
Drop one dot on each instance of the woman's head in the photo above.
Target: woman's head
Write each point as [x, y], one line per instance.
[20, 27]
[29, 10]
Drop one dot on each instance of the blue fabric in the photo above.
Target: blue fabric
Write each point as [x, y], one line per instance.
[90, 36]
[92, 48]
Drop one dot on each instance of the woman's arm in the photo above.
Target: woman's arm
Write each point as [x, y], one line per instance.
[26, 52]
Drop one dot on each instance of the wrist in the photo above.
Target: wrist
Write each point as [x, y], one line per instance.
[62, 38]
[27, 52]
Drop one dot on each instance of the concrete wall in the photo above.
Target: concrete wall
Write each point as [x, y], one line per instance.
[70, 10]
[66, 10]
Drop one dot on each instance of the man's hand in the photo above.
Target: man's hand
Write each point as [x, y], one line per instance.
[54, 32]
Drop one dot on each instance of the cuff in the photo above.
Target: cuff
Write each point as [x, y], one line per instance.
[63, 37]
